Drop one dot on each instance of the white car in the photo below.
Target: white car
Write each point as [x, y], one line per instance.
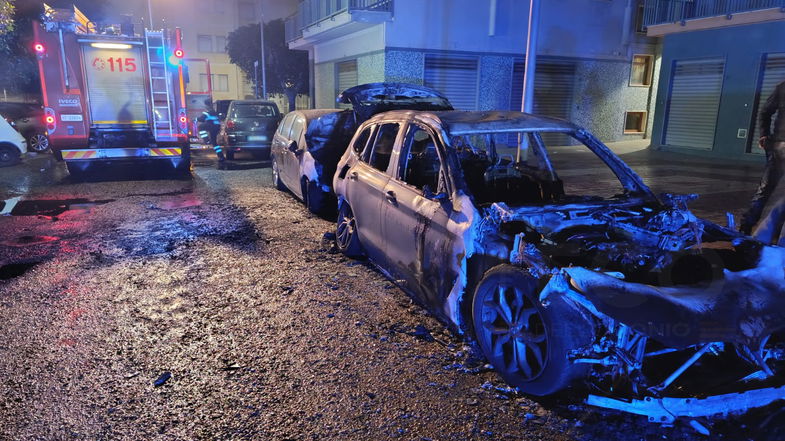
[12, 144]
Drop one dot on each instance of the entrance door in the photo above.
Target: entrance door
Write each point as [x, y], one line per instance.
[554, 87]
[454, 76]
[345, 78]
[693, 103]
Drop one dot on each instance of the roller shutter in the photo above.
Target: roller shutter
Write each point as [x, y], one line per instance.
[772, 74]
[345, 77]
[454, 76]
[554, 86]
[693, 104]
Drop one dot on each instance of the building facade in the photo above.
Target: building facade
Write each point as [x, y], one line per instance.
[720, 61]
[206, 25]
[595, 67]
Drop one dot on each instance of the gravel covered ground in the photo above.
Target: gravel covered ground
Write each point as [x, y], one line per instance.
[215, 308]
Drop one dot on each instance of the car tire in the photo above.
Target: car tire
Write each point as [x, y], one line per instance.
[276, 176]
[509, 320]
[9, 155]
[38, 142]
[230, 154]
[77, 174]
[314, 197]
[346, 237]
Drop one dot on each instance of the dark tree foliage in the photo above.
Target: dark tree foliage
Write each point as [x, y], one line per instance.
[287, 70]
[19, 70]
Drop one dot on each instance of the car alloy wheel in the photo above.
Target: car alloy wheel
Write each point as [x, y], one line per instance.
[516, 331]
[38, 142]
[528, 343]
[346, 232]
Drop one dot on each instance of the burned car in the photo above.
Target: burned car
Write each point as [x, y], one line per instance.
[662, 313]
[308, 143]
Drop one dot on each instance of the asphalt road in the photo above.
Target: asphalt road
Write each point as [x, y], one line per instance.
[214, 308]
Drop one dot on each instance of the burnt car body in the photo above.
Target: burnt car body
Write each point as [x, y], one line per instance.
[249, 126]
[664, 314]
[309, 144]
[304, 168]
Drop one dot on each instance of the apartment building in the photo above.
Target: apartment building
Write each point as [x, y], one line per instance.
[720, 61]
[596, 66]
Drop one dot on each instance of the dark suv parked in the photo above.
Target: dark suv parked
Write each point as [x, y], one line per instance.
[249, 126]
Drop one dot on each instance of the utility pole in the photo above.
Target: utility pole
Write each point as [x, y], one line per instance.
[527, 101]
[256, 90]
[150, 12]
[264, 65]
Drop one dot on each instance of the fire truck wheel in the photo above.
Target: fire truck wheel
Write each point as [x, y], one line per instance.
[9, 155]
[76, 173]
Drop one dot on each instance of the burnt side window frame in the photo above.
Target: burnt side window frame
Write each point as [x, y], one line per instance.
[402, 159]
[365, 151]
[370, 148]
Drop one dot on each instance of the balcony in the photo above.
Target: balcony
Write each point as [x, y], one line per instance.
[662, 17]
[332, 18]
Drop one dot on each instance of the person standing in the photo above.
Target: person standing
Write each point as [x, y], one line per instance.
[766, 215]
[209, 127]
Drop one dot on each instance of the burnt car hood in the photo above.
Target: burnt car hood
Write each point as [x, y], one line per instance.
[629, 269]
[744, 307]
[370, 99]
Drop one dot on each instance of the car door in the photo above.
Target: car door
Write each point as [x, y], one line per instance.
[291, 161]
[365, 190]
[415, 216]
[280, 142]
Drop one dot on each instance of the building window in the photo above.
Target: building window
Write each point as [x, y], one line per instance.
[634, 123]
[220, 82]
[639, 26]
[640, 73]
[247, 12]
[205, 43]
[220, 44]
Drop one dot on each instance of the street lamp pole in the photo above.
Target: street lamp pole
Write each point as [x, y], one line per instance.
[527, 101]
[264, 64]
[256, 78]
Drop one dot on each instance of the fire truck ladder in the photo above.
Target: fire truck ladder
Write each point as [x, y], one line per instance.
[159, 84]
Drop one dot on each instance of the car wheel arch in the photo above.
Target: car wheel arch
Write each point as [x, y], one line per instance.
[476, 267]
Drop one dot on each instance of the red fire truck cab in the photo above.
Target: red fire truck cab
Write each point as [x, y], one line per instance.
[111, 95]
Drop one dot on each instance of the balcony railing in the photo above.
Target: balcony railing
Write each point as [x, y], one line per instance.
[311, 12]
[677, 11]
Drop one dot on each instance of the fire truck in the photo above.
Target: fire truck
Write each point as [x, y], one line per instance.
[111, 95]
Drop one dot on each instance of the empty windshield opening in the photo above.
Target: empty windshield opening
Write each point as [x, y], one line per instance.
[543, 173]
